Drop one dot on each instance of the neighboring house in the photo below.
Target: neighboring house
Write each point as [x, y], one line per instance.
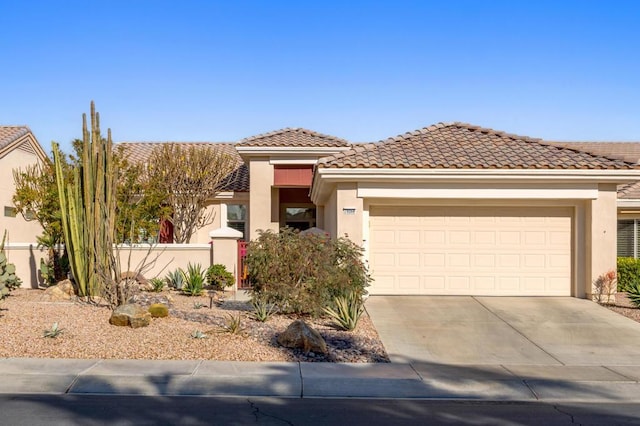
[628, 194]
[18, 149]
[447, 209]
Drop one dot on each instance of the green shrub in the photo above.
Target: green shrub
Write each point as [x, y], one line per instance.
[348, 310]
[194, 280]
[219, 277]
[303, 273]
[628, 272]
[157, 284]
[159, 310]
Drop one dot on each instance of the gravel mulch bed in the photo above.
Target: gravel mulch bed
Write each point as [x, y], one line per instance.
[87, 334]
[624, 307]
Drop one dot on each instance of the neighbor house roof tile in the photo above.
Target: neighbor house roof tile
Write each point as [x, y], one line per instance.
[465, 146]
[9, 134]
[238, 180]
[627, 151]
[294, 137]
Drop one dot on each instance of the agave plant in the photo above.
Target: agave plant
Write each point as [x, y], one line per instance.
[194, 280]
[233, 325]
[633, 292]
[53, 332]
[197, 334]
[175, 279]
[347, 312]
[262, 310]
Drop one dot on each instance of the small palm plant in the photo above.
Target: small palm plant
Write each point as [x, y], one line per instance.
[347, 312]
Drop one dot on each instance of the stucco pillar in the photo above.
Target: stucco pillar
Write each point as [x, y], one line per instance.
[225, 249]
[349, 212]
[601, 235]
[263, 208]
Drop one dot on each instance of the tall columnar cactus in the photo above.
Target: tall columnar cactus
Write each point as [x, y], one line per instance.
[88, 206]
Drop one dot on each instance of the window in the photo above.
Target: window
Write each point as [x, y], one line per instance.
[628, 238]
[300, 218]
[237, 218]
[10, 211]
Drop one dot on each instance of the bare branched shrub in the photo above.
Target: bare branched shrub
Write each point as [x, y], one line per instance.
[606, 286]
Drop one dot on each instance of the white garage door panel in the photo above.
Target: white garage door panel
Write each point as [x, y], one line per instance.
[470, 250]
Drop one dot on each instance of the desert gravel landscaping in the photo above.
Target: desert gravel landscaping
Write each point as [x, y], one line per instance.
[87, 334]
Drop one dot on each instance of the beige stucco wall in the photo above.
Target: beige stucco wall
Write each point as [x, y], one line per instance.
[20, 230]
[263, 204]
[26, 257]
[347, 224]
[225, 252]
[330, 214]
[202, 235]
[166, 257]
[601, 235]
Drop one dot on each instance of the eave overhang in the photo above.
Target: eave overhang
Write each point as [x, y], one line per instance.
[287, 152]
[31, 139]
[325, 178]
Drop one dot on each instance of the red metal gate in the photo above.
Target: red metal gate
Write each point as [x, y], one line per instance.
[243, 280]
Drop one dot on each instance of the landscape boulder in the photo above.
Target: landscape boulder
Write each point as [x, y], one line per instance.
[299, 335]
[61, 292]
[130, 315]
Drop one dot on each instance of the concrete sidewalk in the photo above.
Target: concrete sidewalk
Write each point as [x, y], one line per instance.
[321, 380]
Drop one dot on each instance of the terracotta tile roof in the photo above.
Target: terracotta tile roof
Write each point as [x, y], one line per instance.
[238, 180]
[294, 137]
[465, 146]
[629, 191]
[627, 151]
[9, 134]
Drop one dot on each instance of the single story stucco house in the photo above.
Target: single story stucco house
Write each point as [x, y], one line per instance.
[449, 209]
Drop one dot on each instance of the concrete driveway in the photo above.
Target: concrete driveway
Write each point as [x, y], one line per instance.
[544, 331]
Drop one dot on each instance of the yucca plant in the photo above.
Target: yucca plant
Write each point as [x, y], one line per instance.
[347, 312]
[633, 292]
[53, 332]
[194, 280]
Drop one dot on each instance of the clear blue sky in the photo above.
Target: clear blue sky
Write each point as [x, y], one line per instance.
[361, 70]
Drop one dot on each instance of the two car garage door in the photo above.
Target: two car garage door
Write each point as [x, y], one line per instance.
[499, 251]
